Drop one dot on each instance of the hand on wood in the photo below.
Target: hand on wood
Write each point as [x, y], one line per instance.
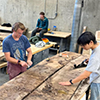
[29, 62]
[65, 83]
[23, 64]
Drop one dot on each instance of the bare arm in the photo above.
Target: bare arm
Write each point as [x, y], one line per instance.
[29, 56]
[10, 59]
[84, 75]
[13, 60]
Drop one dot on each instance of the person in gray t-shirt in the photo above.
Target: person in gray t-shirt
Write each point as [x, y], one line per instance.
[88, 41]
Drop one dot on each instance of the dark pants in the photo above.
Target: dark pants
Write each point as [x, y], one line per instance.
[41, 32]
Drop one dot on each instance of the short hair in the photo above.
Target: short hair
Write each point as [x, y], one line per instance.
[86, 38]
[42, 13]
[18, 25]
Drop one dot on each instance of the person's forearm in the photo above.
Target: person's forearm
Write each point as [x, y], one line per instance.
[29, 56]
[84, 75]
[12, 60]
[78, 79]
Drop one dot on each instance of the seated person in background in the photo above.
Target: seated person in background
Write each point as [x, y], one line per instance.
[42, 25]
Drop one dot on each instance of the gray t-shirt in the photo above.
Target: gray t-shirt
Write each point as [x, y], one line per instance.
[94, 65]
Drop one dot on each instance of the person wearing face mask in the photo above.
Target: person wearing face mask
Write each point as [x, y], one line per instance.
[42, 25]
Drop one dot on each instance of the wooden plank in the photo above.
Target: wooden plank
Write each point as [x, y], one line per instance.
[97, 35]
[36, 49]
[3, 35]
[56, 34]
[51, 90]
[1, 55]
[3, 64]
[81, 90]
[87, 52]
[80, 48]
[59, 34]
[24, 84]
[4, 28]
[2, 38]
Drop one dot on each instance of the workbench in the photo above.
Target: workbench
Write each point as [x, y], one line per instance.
[5, 29]
[36, 49]
[3, 35]
[39, 54]
[62, 38]
[2, 63]
[41, 81]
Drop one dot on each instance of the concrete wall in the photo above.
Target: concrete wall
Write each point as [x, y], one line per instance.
[27, 11]
[91, 15]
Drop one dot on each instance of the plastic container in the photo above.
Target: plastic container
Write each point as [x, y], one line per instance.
[54, 28]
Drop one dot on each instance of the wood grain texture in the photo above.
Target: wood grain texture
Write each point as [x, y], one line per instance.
[38, 81]
[1, 55]
[51, 90]
[36, 49]
[56, 34]
[5, 28]
[3, 35]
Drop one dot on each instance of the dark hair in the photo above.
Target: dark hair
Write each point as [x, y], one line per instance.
[42, 13]
[85, 38]
[18, 25]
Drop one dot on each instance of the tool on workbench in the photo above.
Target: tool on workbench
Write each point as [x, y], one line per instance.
[63, 55]
[45, 40]
[51, 32]
[62, 92]
[40, 44]
[49, 29]
[28, 66]
[83, 64]
[35, 39]
[48, 59]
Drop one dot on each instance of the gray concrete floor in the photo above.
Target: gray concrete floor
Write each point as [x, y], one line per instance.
[5, 78]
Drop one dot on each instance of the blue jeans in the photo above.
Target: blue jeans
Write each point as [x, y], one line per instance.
[95, 91]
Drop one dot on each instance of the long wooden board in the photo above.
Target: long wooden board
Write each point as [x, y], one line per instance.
[57, 34]
[3, 35]
[24, 84]
[36, 49]
[3, 64]
[4, 28]
[1, 55]
[51, 90]
[97, 35]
